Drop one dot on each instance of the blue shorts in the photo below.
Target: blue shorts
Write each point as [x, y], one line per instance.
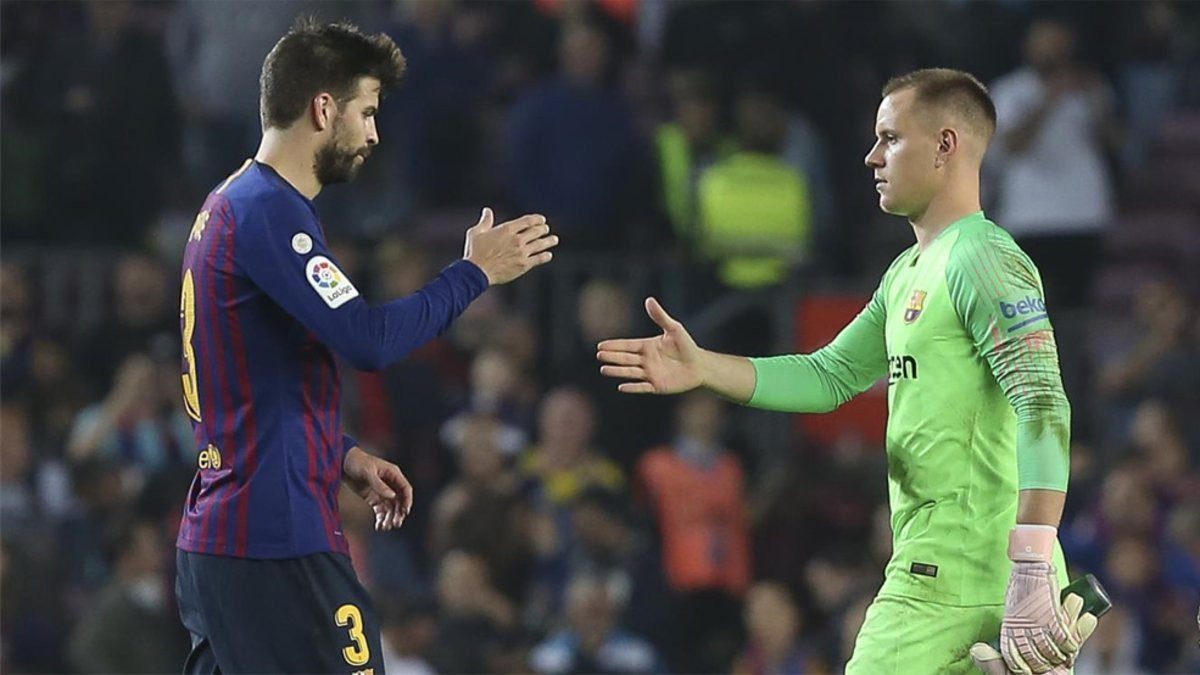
[292, 615]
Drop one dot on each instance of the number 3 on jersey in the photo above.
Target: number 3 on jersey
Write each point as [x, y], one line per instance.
[187, 314]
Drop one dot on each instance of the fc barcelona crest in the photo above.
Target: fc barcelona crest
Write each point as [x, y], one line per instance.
[915, 304]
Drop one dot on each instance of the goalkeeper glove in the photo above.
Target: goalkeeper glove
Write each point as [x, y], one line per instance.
[1039, 633]
[992, 662]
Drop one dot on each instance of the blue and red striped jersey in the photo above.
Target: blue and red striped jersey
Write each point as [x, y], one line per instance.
[264, 308]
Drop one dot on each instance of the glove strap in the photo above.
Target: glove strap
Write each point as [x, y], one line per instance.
[1032, 543]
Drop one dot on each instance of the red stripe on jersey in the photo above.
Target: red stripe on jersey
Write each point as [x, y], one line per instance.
[242, 529]
[336, 449]
[321, 412]
[333, 475]
[228, 417]
[206, 327]
[330, 481]
[309, 432]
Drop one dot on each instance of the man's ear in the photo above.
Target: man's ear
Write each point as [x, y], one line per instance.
[947, 146]
[323, 110]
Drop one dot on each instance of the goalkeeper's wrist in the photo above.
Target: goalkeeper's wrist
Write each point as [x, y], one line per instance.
[1032, 543]
[710, 377]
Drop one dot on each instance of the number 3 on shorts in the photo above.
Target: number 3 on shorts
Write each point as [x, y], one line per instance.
[358, 653]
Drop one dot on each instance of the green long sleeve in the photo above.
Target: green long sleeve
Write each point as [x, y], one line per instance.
[827, 378]
[996, 291]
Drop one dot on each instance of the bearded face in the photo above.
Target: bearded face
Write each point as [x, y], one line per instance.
[339, 160]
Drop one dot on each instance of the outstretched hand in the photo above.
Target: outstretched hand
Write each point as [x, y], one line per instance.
[507, 251]
[669, 363]
[381, 484]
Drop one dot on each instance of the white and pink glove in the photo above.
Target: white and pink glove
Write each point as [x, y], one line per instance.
[1039, 634]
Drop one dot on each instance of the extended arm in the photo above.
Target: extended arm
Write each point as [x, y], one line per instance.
[283, 251]
[827, 378]
[672, 363]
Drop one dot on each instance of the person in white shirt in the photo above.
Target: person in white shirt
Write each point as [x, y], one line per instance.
[1055, 124]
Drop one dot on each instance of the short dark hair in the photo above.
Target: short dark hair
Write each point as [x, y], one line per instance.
[314, 57]
[957, 91]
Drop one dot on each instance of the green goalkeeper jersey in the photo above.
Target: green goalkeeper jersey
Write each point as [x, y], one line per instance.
[976, 409]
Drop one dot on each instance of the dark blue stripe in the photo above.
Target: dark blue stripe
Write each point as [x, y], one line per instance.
[1028, 321]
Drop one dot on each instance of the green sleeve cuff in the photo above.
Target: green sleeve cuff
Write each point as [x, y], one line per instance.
[1043, 461]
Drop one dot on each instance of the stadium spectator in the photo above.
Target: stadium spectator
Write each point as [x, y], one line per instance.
[846, 626]
[101, 498]
[493, 393]
[593, 641]
[564, 464]
[1112, 649]
[140, 422]
[1055, 123]
[1181, 553]
[1163, 360]
[18, 500]
[55, 392]
[603, 310]
[439, 143]
[131, 628]
[606, 544]
[476, 619]
[557, 471]
[107, 186]
[573, 151]
[33, 620]
[16, 329]
[773, 625]
[209, 46]
[840, 589]
[690, 141]
[143, 321]
[695, 488]
[1150, 75]
[1157, 443]
[409, 629]
[1124, 506]
[755, 210]
[483, 512]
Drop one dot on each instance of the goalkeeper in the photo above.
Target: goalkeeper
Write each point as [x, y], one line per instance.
[978, 425]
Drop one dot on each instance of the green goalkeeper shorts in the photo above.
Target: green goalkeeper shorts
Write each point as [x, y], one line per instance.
[904, 636]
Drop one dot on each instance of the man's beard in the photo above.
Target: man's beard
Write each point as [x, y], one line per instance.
[335, 163]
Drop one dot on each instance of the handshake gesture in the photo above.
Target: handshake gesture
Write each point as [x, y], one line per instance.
[1039, 634]
[507, 251]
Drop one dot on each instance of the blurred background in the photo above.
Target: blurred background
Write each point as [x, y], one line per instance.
[709, 153]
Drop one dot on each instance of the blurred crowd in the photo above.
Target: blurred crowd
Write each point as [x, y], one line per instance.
[561, 527]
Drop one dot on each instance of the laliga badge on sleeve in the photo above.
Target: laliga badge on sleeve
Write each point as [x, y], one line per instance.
[301, 243]
[329, 282]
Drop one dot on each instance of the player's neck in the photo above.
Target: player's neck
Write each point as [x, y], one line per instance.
[947, 208]
[292, 160]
